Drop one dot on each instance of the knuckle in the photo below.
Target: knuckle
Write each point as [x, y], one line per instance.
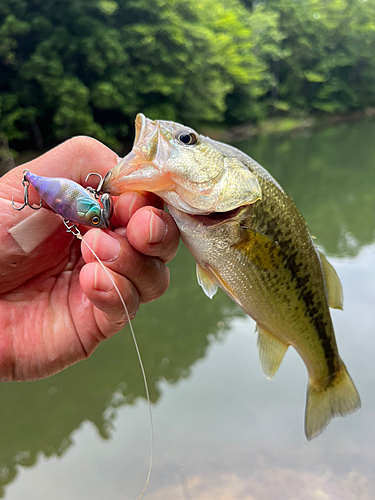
[119, 317]
[157, 284]
[80, 144]
[145, 270]
[170, 244]
[119, 323]
[171, 250]
[81, 150]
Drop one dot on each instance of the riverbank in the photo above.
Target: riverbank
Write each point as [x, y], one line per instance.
[283, 125]
[222, 133]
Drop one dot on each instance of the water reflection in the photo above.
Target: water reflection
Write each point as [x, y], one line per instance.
[234, 431]
[330, 175]
[173, 333]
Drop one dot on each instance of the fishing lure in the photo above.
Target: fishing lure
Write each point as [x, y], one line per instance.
[91, 208]
[69, 199]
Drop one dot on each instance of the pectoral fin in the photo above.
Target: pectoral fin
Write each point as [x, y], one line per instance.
[271, 352]
[214, 277]
[260, 249]
[206, 282]
[333, 284]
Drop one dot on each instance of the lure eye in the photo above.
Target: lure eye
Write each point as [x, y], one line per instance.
[95, 220]
[187, 138]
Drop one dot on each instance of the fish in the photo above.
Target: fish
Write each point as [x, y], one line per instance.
[72, 201]
[249, 239]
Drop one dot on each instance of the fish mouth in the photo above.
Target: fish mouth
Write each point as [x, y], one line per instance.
[215, 218]
[210, 219]
[142, 168]
[197, 181]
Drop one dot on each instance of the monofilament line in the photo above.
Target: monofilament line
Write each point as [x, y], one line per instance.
[139, 359]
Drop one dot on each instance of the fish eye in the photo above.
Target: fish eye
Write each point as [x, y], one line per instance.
[95, 220]
[187, 138]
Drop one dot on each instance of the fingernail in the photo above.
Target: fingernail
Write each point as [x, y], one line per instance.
[102, 281]
[107, 247]
[158, 229]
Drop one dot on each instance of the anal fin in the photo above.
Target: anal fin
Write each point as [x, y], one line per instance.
[271, 352]
[206, 282]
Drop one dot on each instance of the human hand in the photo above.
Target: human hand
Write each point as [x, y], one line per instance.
[56, 302]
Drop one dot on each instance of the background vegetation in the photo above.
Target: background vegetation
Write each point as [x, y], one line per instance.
[88, 66]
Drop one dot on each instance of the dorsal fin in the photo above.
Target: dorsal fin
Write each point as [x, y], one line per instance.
[333, 284]
[271, 352]
[260, 249]
[206, 282]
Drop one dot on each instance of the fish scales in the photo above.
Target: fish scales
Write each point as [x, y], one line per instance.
[302, 262]
[248, 238]
[271, 216]
[303, 270]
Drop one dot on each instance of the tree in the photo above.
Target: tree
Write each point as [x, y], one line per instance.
[329, 55]
[87, 66]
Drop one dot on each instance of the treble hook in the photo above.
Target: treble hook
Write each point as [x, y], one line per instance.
[95, 192]
[26, 185]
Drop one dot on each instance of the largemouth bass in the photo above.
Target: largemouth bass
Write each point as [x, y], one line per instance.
[249, 239]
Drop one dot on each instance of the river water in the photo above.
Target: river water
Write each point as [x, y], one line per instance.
[222, 431]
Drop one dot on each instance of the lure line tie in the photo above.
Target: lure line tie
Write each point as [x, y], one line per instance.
[72, 228]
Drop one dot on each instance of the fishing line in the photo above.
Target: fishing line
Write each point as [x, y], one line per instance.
[79, 236]
[105, 211]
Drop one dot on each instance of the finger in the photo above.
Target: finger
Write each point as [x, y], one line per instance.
[149, 275]
[109, 311]
[153, 232]
[73, 159]
[128, 203]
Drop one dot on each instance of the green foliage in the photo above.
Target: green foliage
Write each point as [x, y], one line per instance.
[329, 49]
[246, 101]
[187, 55]
[88, 66]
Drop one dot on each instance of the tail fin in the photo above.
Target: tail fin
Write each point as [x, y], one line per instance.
[324, 403]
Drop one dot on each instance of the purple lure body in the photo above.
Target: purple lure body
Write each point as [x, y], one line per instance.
[72, 201]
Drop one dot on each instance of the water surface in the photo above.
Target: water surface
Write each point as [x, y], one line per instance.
[222, 431]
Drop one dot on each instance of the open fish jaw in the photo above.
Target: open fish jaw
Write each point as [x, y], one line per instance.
[195, 178]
